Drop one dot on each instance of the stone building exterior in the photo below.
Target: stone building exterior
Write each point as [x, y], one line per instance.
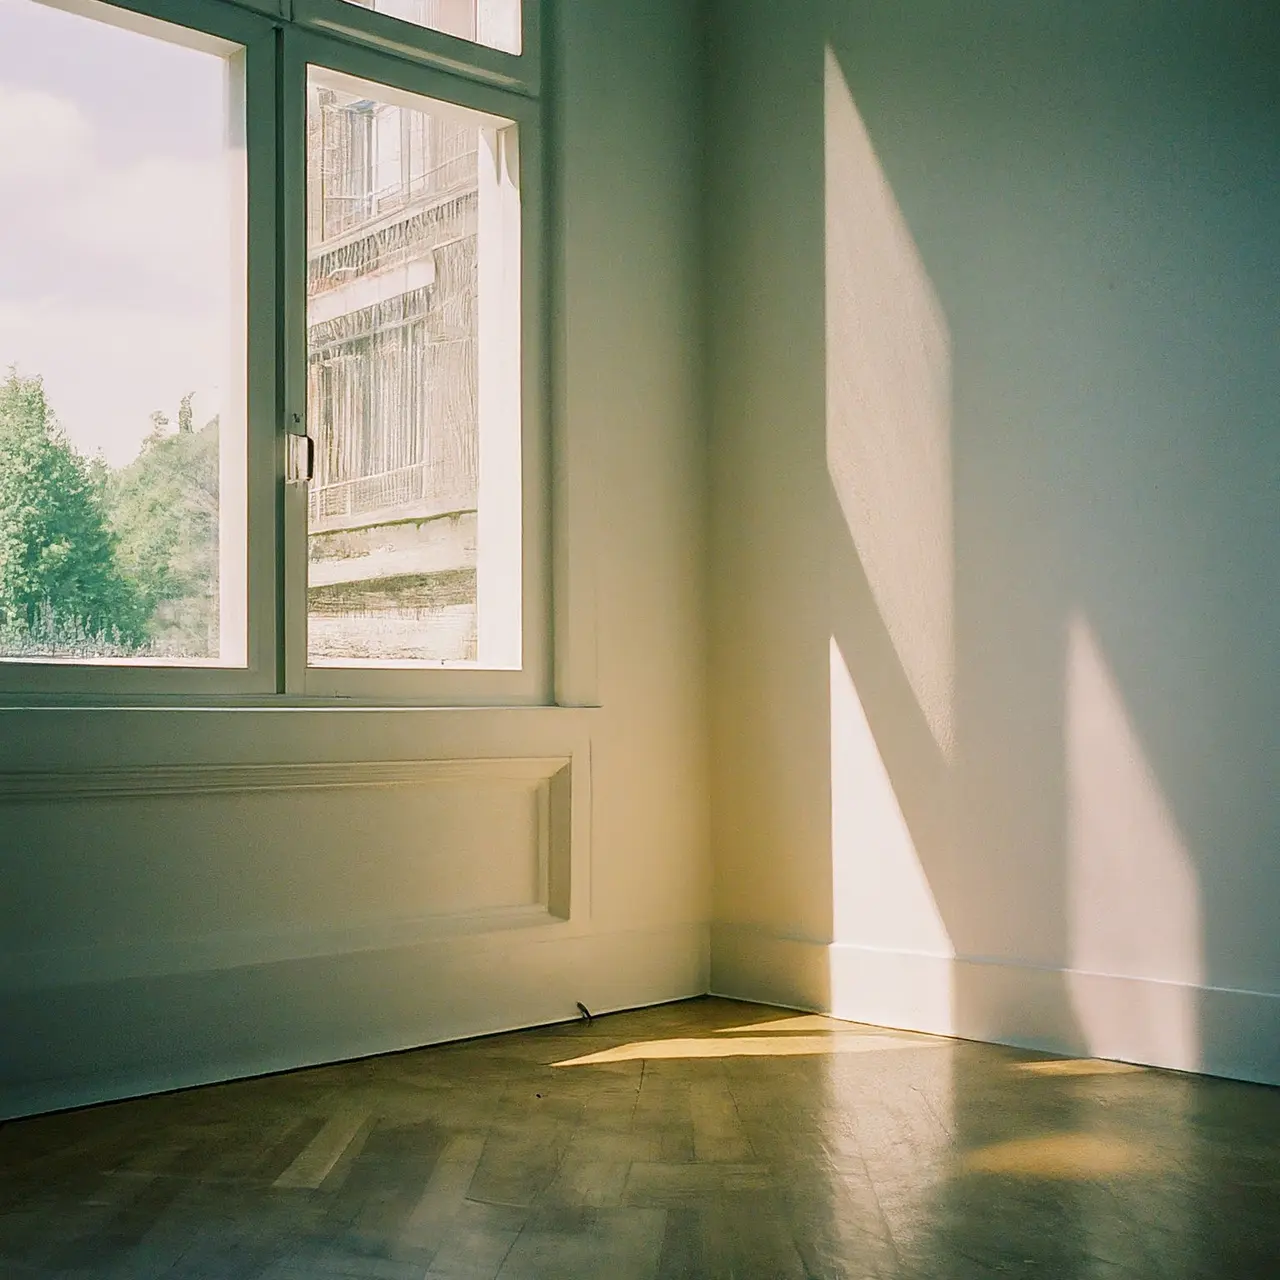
[392, 380]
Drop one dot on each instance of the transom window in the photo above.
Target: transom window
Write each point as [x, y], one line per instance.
[269, 387]
[495, 23]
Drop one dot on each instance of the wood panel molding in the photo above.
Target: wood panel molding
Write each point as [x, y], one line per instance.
[201, 779]
[51, 810]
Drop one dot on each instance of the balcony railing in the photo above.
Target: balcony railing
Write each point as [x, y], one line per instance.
[420, 491]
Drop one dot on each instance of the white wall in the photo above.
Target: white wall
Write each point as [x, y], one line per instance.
[993, 461]
[995, 356]
[193, 895]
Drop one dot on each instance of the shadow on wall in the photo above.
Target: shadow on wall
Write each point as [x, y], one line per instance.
[1052, 709]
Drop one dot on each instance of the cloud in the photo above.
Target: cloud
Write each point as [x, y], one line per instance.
[44, 138]
[122, 296]
[171, 217]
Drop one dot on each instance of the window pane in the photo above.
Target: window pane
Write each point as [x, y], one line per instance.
[413, 380]
[122, 349]
[495, 23]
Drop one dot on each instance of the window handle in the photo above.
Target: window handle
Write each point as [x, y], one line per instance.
[299, 459]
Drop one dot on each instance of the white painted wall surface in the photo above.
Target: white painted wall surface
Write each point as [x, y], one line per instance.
[172, 908]
[995, 360]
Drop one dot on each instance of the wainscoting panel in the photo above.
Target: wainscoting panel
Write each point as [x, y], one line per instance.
[277, 861]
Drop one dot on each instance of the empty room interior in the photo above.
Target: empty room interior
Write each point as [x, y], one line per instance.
[639, 638]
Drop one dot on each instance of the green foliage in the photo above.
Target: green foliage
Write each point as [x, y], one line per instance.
[61, 589]
[164, 510]
[95, 563]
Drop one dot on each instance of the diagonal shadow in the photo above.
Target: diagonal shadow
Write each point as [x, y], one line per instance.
[896, 601]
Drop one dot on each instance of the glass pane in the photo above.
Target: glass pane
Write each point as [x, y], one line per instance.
[413, 380]
[122, 347]
[495, 23]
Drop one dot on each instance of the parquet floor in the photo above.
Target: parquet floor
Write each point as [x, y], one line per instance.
[708, 1138]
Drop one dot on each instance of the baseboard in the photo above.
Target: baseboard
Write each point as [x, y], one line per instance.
[1213, 1030]
[748, 963]
[73, 1045]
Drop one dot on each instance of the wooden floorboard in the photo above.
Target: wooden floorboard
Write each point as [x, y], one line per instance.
[709, 1138]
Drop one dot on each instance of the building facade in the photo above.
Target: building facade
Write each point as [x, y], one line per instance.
[392, 379]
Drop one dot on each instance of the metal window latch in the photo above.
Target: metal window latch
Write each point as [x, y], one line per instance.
[299, 459]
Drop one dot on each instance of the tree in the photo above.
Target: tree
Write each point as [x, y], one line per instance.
[164, 510]
[60, 584]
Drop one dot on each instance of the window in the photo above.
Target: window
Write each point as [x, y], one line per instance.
[495, 23]
[413, 305]
[122, 342]
[270, 411]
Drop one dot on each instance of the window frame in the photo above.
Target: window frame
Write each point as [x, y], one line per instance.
[260, 674]
[280, 38]
[531, 684]
[350, 23]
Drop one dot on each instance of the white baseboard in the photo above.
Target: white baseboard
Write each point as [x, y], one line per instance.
[748, 963]
[95, 1042]
[1215, 1030]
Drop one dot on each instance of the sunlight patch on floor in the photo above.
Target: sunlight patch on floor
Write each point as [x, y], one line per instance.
[1077, 1067]
[1062, 1155]
[803, 1022]
[787, 1046]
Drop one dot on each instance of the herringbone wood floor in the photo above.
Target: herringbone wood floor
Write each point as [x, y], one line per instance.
[703, 1139]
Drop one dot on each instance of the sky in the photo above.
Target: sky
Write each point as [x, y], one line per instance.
[120, 204]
